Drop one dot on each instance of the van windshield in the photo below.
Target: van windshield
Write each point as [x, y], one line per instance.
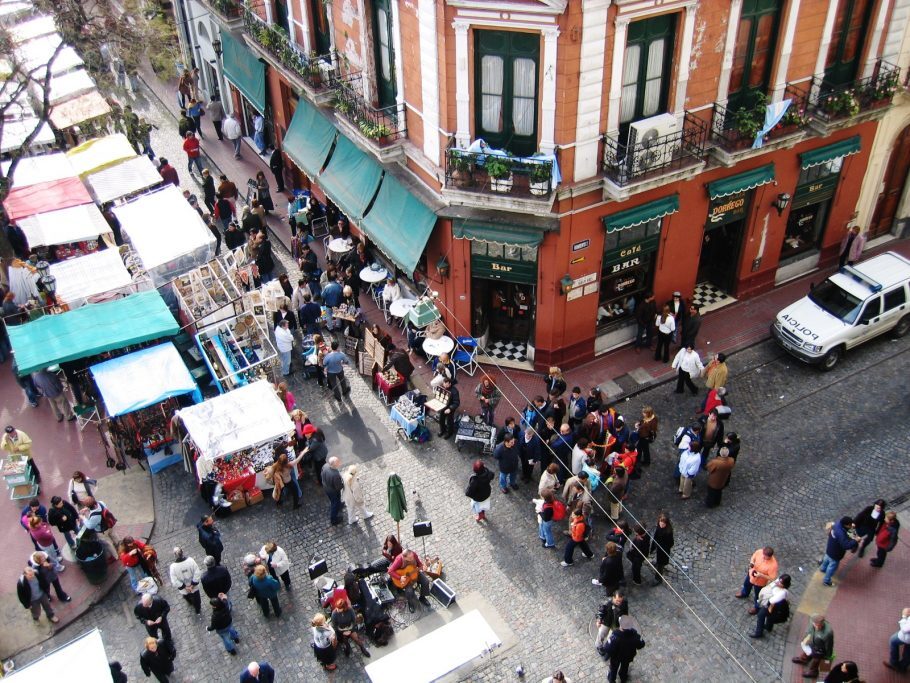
[836, 301]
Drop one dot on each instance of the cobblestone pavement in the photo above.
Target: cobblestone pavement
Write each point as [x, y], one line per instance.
[816, 446]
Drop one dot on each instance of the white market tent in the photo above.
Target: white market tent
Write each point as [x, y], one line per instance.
[128, 177]
[85, 654]
[65, 226]
[79, 279]
[15, 132]
[33, 28]
[166, 233]
[66, 86]
[247, 416]
[41, 169]
[35, 54]
[143, 378]
[98, 154]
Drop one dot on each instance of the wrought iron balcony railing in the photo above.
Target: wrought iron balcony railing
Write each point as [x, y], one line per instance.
[648, 158]
[480, 172]
[383, 125]
[836, 102]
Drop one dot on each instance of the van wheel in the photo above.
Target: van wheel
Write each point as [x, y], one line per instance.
[831, 358]
[902, 327]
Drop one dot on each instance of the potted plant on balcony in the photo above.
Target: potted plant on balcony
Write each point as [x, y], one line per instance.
[374, 131]
[796, 118]
[882, 89]
[539, 178]
[500, 171]
[843, 104]
[462, 168]
[343, 107]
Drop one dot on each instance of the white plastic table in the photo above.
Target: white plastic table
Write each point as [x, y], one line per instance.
[340, 246]
[400, 307]
[436, 347]
[373, 276]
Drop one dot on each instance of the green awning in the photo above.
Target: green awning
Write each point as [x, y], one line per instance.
[399, 224]
[90, 330]
[742, 182]
[823, 155]
[351, 178]
[509, 235]
[244, 70]
[309, 138]
[642, 214]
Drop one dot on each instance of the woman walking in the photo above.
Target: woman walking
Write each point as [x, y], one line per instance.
[281, 475]
[263, 193]
[265, 589]
[324, 642]
[666, 326]
[662, 545]
[647, 434]
[352, 495]
[479, 490]
[549, 480]
[276, 561]
[488, 396]
[886, 540]
[157, 659]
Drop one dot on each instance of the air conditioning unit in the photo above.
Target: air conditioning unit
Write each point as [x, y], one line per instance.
[648, 145]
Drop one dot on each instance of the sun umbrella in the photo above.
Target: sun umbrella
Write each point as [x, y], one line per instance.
[398, 504]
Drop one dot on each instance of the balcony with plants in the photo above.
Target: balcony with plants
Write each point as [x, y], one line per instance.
[654, 158]
[523, 177]
[862, 98]
[311, 71]
[229, 13]
[384, 127]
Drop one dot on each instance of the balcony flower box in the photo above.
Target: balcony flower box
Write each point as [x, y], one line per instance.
[500, 172]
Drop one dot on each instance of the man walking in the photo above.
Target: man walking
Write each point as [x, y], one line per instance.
[334, 363]
[840, 540]
[64, 516]
[622, 647]
[33, 592]
[210, 538]
[284, 343]
[691, 326]
[49, 385]
[152, 611]
[276, 163]
[719, 470]
[447, 414]
[688, 365]
[216, 113]
[508, 455]
[333, 485]
[232, 131]
[193, 152]
[216, 579]
[901, 639]
[258, 672]
[645, 314]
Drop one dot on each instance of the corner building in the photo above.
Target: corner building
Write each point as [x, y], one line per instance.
[716, 147]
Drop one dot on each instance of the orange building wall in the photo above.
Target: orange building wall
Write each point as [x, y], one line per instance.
[411, 71]
[809, 29]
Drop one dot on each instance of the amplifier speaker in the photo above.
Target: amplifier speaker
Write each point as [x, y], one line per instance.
[423, 529]
[441, 591]
[317, 567]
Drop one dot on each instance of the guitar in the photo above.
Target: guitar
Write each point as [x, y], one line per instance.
[406, 576]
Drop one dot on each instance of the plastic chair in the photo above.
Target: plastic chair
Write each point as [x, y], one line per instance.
[467, 342]
[465, 359]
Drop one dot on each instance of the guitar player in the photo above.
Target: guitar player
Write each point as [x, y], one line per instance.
[407, 569]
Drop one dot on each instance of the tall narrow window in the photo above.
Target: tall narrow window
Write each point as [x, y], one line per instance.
[281, 15]
[753, 53]
[386, 88]
[506, 83]
[646, 69]
[322, 41]
[845, 50]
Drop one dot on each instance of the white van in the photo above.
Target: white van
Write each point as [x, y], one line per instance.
[852, 306]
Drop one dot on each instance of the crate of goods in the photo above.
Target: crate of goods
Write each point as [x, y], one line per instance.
[237, 499]
[254, 496]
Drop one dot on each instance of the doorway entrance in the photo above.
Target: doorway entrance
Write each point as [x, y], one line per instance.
[719, 259]
[504, 312]
[894, 182]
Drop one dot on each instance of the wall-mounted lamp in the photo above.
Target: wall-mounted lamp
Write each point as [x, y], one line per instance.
[442, 267]
[783, 199]
[216, 47]
[565, 284]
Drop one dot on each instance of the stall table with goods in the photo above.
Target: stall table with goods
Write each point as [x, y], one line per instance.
[19, 478]
[408, 414]
[94, 278]
[231, 437]
[390, 385]
[66, 233]
[212, 292]
[473, 430]
[137, 393]
[237, 351]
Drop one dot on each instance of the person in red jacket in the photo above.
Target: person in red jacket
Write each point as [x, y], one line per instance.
[193, 152]
[886, 540]
[168, 172]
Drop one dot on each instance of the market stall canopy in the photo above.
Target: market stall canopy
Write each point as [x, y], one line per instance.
[91, 330]
[309, 138]
[143, 378]
[33, 28]
[65, 86]
[98, 154]
[244, 70]
[40, 169]
[52, 196]
[35, 55]
[15, 132]
[166, 233]
[89, 275]
[85, 654]
[399, 224]
[78, 110]
[126, 178]
[351, 178]
[247, 416]
[65, 226]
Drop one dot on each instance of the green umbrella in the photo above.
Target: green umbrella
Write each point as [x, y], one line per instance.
[398, 504]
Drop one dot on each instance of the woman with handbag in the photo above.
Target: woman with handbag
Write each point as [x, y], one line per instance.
[479, 490]
[81, 487]
[324, 642]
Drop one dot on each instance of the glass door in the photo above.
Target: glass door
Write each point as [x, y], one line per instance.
[386, 89]
[322, 42]
[847, 41]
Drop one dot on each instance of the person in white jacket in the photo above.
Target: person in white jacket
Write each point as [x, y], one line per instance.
[352, 495]
[901, 639]
[689, 464]
[688, 365]
[276, 561]
[185, 577]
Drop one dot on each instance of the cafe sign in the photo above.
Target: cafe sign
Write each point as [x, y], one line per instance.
[727, 209]
[489, 268]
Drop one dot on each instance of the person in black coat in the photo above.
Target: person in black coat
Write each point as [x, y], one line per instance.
[117, 675]
[64, 516]
[508, 455]
[691, 326]
[639, 552]
[276, 164]
[661, 545]
[622, 647]
[152, 611]
[608, 617]
[216, 578]
[222, 623]
[447, 414]
[157, 659]
[612, 574]
[510, 427]
[479, 490]
[284, 314]
[399, 360]
[867, 522]
[210, 537]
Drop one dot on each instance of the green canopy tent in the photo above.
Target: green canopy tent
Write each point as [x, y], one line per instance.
[398, 504]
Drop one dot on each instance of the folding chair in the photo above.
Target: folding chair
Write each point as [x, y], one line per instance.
[465, 360]
[86, 415]
[320, 227]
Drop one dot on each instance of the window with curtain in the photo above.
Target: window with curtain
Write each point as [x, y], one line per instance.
[321, 40]
[850, 24]
[506, 81]
[646, 69]
[385, 67]
[753, 53]
[386, 88]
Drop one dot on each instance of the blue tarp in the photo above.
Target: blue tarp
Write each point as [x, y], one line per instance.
[143, 378]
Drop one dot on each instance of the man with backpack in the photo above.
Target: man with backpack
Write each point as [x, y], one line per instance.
[98, 518]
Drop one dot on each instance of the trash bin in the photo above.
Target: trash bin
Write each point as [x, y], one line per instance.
[92, 558]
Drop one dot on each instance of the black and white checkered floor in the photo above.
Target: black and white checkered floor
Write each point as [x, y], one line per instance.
[708, 297]
[508, 350]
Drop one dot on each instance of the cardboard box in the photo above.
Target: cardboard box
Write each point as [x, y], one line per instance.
[238, 501]
[254, 496]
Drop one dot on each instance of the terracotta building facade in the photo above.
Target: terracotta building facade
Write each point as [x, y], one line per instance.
[544, 164]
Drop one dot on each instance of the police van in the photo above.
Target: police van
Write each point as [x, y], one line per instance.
[852, 306]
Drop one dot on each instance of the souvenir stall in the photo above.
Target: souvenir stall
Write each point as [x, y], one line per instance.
[166, 234]
[138, 393]
[89, 112]
[213, 292]
[124, 179]
[94, 278]
[231, 438]
[237, 351]
[66, 233]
